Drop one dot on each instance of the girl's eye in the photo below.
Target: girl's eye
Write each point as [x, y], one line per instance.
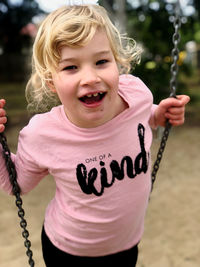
[72, 67]
[102, 61]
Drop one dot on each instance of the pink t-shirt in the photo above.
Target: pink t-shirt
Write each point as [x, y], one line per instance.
[102, 174]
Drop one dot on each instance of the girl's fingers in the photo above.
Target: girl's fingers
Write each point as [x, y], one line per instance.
[177, 122]
[174, 116]
[2, 112]
[184, 99]
[2, 128]
[176, 113]
[3, 118]
[2, 103]
[176, 110]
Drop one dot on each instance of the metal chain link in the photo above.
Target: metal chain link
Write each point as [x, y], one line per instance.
[173, 85]
[16, 191]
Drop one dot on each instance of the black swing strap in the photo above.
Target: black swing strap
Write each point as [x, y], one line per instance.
[173, 86]
[16, 191]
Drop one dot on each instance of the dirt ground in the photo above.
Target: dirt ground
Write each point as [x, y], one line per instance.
[172, 225]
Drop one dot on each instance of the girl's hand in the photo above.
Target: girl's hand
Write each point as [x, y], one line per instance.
[3, 118]
[172, 109]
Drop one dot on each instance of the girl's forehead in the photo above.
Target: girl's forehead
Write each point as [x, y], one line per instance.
[98, 42]
[84, 35]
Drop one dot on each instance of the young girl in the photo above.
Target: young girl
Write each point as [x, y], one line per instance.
[95, 142]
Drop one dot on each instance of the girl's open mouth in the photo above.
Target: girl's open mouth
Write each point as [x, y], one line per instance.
[92, 98]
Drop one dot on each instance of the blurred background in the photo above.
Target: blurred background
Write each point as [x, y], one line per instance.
[172, 232]
[149, 22]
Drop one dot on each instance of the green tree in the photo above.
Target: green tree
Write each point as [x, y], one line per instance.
[197, 6]
[12, 19]
[154, 31]
[150, 24]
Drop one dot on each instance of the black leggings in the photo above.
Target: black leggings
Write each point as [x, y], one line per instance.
[55, 257]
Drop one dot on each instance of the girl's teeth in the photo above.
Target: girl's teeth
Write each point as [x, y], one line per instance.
[90, 95]
[92, 98]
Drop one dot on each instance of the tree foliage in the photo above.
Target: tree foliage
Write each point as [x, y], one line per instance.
[197, 7]
[153, 30]
[150, 24]
[12, 19]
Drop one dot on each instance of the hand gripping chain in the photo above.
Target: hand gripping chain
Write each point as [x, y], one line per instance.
[16, 191]
[173, 86]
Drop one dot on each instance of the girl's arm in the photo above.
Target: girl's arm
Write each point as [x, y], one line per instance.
[3, 118]
[28, 173]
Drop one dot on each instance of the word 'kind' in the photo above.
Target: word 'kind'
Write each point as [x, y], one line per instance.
[87, 179]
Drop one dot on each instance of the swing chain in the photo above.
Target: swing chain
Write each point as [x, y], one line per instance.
[16, 191]
[173, 86]
[160, 152]
[175, 53]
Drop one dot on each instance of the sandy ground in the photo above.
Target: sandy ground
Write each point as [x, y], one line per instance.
[172, 225]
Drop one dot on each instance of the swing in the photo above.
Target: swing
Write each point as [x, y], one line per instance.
[173, 86]
[11, 167]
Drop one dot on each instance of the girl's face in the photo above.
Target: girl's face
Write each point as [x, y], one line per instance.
[86, 82]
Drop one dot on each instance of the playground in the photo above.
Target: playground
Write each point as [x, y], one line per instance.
[172, 230]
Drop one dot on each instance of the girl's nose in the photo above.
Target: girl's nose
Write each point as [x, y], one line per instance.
[89, 76]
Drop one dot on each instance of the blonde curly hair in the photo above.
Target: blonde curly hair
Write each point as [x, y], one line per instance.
[72, 26]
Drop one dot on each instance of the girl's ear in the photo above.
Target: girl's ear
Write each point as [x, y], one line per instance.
[51, 86]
